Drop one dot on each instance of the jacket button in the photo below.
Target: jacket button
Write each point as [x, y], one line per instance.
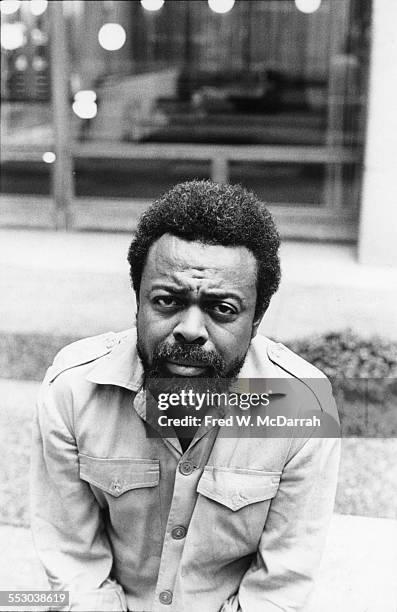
[116, 486]
[179, 532]
[110, 343]
[236, 500]
[165, 597]
[186, 468]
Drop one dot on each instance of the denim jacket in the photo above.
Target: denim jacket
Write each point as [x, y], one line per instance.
[126, 521]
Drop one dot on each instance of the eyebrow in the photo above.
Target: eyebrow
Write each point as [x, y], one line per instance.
[178, 289]
[214, 293]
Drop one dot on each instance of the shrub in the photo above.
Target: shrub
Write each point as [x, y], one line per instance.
[363, 376]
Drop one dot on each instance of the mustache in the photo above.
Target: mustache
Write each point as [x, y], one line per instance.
[189, 353]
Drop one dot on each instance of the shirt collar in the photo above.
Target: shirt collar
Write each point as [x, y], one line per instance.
[122, 366]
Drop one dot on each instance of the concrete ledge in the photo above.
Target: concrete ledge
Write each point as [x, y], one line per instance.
[359, 567]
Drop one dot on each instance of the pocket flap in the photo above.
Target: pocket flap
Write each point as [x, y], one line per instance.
[116, 476]
[236, 488]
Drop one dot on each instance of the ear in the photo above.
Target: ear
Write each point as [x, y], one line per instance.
[255, 325]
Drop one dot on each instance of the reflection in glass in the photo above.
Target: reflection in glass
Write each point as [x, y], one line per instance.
[308, 6]
[111, 36]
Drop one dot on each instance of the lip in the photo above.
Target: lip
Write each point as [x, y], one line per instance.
[185, 368]
[192, 364]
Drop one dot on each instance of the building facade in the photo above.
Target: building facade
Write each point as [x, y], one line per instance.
[108, 103]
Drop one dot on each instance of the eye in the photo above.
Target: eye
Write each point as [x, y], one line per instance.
[166, 301]
[223, 309]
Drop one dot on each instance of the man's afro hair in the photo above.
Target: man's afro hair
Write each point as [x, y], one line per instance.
[201, 210]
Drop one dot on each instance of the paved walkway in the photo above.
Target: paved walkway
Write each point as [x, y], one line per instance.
[77, 283]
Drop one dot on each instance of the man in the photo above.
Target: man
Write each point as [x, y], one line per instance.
[128, 516]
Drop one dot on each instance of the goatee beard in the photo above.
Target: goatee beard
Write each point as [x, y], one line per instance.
[217, 377]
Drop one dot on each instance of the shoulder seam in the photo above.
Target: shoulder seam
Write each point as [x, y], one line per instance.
[277, 350]
[69, 357]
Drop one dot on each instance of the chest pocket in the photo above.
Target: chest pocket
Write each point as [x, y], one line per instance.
[236, 488]
[128, 493]
[117, 476]
[235, 503]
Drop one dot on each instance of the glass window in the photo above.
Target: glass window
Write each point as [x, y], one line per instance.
[264, 73]
[26, 125]
[266, 94]
[140, 179]
[293, 184]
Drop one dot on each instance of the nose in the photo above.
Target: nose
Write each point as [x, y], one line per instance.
[191, 328]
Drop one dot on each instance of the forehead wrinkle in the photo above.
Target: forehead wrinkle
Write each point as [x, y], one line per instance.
[181, 281]
[179, 271]
[180, 263]
[213, 277]
[187, 255]
[195, 268]
[191, 258]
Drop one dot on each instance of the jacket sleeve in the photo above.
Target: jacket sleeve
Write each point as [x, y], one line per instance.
[65, 518]
[281, 576]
